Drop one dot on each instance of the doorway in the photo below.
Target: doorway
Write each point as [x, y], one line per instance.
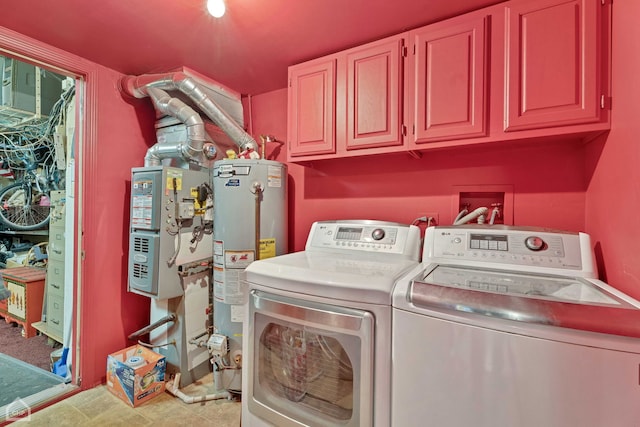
[38, 146]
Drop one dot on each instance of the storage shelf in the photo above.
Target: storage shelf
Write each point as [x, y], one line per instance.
[44, 329]
[26, 233]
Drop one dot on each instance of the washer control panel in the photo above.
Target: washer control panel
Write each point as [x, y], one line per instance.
[365, 236]
[506, 245]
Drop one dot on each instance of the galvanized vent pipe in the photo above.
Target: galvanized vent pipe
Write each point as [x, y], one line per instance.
[149, 84]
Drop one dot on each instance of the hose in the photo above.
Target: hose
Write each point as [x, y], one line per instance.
[471, 216]
[494, 215]
[462, 213]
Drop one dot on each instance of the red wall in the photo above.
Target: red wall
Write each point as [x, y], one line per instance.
[547, 179]
[613, 192]
[109, 313]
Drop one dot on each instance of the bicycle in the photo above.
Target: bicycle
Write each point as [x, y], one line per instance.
[25, 204]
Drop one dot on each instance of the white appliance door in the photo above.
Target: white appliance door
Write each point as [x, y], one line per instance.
[311, 364]
[450, 374]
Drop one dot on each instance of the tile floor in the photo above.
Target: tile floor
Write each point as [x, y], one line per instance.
[98, 407]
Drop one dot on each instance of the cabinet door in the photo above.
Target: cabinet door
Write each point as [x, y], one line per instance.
[552, 74]
[374, 95]
[449, 79]
[312, 90]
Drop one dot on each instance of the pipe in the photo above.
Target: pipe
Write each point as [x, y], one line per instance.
[495, 214]
[197, 341]
[471, 216]
[138, 86]
[258, 189]
[173, 389]
[196, 134]
[166, 319]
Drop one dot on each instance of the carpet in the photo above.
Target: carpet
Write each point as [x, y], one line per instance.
[21, 380]
[34, 350]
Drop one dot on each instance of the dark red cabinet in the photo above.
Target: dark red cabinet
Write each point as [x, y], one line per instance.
[349, 103]
[312, 103]
[552, 64]
[449, 79]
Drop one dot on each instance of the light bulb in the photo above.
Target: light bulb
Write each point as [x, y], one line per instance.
[216, 8]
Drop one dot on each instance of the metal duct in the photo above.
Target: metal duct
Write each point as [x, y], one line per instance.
[196, 135]
[144, 85]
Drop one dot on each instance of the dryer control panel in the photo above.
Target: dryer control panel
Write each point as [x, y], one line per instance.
[508, 247]
[365, 236]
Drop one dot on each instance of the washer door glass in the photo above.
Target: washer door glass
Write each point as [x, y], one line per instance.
[311, 373]
[305, 366]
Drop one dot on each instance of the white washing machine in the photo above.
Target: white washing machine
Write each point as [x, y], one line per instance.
[317, 327]
[506, 326]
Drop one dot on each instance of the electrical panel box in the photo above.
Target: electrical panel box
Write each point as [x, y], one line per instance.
[28, 91]
[171, 229]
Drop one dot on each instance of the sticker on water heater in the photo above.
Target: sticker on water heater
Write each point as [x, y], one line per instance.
[237, 313]
[218, 283]
[238, 259]
[232, 289]
[267, 248]
[235, 182]
[274, 176]
[218, 246]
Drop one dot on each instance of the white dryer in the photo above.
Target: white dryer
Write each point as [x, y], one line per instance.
[317, 327]
[508, 326]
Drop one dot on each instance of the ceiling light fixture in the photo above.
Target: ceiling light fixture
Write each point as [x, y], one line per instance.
[216, 8]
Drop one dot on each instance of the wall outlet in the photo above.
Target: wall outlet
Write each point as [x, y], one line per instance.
[434, 215]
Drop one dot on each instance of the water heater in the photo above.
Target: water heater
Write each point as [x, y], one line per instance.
[250, 223]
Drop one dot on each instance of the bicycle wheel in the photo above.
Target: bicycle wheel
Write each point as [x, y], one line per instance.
[23, 207]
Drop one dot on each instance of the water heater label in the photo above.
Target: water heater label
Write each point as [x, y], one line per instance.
[237, 313]
[274, 176]
[267, 248]
[238, 259]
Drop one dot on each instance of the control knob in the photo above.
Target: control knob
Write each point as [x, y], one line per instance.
[377, 234]
[534, 243]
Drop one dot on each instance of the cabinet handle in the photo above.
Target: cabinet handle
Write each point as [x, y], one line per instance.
[53, 285]
[55, 322]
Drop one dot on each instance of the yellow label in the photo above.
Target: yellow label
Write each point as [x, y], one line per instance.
[199, 208]
[170, 177]
[267, 248]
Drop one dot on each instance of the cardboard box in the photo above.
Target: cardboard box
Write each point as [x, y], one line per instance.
[136, 374]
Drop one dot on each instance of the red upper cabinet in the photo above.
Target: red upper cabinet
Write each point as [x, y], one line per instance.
[312, 104]
[553, 75]
[520, 69]
[374, 95]
[449, 79]
[349, 103]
